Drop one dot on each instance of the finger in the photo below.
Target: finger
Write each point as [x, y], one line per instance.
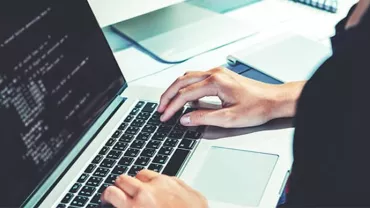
[131, 186]
[181, 82]
[221, 118]
[116, 197]
[146, 175]
[190, 93]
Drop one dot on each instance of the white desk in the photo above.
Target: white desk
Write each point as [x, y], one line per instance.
[270, 16]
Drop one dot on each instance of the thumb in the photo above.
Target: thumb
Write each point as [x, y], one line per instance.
[218, 117]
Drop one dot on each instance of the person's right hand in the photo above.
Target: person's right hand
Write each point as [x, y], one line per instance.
[245, 102]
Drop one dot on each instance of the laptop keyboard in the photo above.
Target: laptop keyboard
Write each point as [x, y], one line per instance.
[140, 142]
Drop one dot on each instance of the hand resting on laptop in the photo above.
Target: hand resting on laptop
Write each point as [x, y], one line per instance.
[245, 102]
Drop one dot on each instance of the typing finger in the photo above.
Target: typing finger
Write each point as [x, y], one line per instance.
[146, 175]
[220, 118]
[131, 186]
[181, 82]
[190, 93]
[116, 197]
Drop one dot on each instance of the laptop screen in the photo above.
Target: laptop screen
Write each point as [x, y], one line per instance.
[57, 73]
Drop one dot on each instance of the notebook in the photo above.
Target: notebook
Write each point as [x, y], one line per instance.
[327, 5]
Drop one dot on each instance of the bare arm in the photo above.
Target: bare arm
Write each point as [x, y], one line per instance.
[286, 99]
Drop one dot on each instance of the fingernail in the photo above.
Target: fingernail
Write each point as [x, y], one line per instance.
[185, 120]
[162, 117]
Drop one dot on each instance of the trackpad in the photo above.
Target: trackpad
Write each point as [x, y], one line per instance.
[235, 176]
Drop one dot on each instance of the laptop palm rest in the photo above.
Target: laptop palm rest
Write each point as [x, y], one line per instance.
[235, 176]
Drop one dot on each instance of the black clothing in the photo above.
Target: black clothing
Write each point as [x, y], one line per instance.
[332, 140]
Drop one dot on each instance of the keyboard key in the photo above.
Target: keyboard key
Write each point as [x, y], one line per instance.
[96, 199]
[187, 144]
[110, 142]
[164, 129]
[165, 150]
[153, 144]
[134, 170]
[132, 130]
[171, 142]
[75, 188]
[143, 136]
[61, 206]
[101, 172]
[180, 127]
[117, 134]
[175, 162]
[135, 111]
[90, 168]
[104, 150]
[178, 114]
[147, 152]
[154, 121]
[127, 138]
[83, 178]
[160, 159]
[120, 146]
[149, 107]
[143, 116]
[107, 163]
[155, 167]
[143, 161]
[176, 134]
[127, 161]
[138, 123]
[193, 135]
[94, 181]
[67, 198]
[87, 191]
[156, 115]
[115, 155]
[138, 144]
[92, 206]
[97, 159]
[79, 201]
[132, 152]
[123, 126]
[120, 169]
[149, 128]
[111, 179]
[159, 136]
[102, 188]
[171, 122]
[129, 119]
[140, 104]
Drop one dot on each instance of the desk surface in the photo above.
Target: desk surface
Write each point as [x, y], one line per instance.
[271, 17]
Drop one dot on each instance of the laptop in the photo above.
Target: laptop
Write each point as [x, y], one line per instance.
[70, 124]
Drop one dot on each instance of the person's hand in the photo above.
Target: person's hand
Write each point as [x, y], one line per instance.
[245, 102]
[152, 190]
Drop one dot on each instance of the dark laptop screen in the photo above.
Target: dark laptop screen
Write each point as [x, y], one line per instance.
[57, 73]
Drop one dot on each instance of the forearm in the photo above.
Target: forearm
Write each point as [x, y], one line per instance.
[285, 99]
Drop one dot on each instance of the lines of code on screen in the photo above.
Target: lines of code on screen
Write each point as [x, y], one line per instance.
[56, 75]
[23, 89]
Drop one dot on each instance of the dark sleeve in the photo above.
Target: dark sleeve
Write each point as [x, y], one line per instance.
[332, 140]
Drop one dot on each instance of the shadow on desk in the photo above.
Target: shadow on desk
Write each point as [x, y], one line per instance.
[219, 133]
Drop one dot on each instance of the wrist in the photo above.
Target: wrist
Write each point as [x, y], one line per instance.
[284, 99]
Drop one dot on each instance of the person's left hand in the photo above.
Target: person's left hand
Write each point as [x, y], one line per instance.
[152, 190]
